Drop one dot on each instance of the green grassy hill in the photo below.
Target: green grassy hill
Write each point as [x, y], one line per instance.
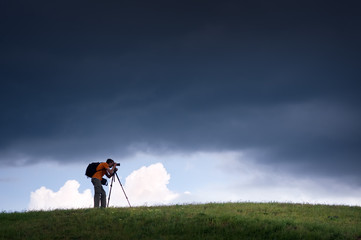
[204, 221]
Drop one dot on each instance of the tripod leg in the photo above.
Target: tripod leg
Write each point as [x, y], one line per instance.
[123, 189]
[110, 191]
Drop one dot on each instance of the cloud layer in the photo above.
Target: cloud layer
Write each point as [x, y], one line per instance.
[279, 80]
[67, 197]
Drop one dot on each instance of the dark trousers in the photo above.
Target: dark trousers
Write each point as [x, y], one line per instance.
[99, 193]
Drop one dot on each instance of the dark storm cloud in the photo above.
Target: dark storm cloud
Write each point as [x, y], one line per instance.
[277, 80]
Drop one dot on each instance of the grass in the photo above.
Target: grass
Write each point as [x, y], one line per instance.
[203, 221]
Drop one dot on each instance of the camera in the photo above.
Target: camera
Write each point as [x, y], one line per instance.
[117, 164]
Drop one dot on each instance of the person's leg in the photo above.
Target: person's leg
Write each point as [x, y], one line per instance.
[103, 198]
[97, 191]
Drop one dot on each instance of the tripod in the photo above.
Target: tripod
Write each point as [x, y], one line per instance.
[111, 186]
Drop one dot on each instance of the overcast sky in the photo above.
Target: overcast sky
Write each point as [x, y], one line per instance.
[278, 81]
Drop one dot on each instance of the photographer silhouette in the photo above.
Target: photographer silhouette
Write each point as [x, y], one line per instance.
[107, 168]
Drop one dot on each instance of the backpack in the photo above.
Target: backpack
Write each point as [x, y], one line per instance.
[91, 169]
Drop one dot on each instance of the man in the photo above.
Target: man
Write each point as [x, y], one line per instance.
[102, 169]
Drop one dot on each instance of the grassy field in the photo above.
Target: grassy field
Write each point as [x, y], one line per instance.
[203, 221]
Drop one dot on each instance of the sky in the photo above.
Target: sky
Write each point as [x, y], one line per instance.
[199, 101]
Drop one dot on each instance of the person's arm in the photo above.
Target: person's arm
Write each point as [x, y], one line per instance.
[109, 172]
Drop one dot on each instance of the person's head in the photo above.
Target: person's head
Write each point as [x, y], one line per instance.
[110, 162]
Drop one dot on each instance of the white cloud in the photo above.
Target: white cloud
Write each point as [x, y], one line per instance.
[145, 186]
[68, 196]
